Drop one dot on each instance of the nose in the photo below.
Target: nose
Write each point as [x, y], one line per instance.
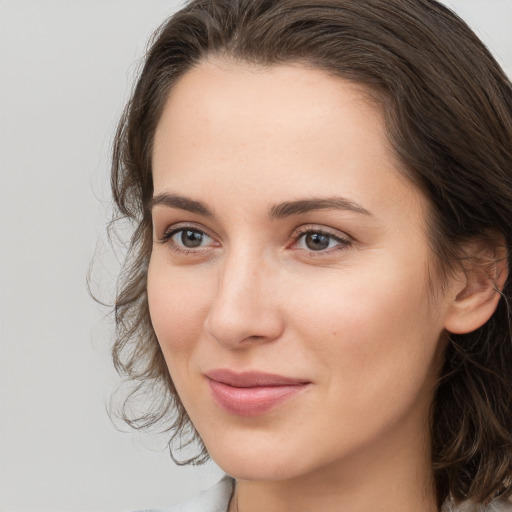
[245, 308]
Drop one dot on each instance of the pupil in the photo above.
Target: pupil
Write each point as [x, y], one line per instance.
[317, 241]
[191, 238]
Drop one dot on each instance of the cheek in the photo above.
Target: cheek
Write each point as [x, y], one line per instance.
[178, 305]
[372, 331]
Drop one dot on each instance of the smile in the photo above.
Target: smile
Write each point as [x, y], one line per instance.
[252, 393]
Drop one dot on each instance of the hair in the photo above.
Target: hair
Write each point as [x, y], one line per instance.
[448, 112]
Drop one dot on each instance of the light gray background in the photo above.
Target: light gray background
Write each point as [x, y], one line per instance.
[66, 68]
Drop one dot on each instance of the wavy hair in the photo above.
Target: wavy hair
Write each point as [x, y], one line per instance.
[448, 111]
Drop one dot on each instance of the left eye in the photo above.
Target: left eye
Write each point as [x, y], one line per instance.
[190, 238]
[319, 241]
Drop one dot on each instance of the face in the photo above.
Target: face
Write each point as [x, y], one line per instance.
[288, 282]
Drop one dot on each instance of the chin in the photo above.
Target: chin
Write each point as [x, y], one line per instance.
[259, 461]
[262, 469]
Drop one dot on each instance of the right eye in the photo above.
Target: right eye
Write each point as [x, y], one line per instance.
[188, 238]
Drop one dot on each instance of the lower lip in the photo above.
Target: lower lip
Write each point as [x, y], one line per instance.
[252, 401]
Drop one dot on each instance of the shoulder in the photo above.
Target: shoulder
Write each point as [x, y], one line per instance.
[215, 499]
[495, 506]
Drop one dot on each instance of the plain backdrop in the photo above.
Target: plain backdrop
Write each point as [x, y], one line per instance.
[66, 69]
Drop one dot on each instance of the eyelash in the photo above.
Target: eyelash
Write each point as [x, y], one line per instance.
[167, 239]
[343, 243]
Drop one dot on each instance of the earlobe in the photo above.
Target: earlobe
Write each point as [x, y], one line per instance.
[476, 300]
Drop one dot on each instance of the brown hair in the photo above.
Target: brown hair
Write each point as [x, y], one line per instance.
[448, 109]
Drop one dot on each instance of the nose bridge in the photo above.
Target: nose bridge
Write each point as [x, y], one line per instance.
[242, 268]
[242, 307]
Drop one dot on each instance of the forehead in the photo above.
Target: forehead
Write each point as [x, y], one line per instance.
[248, 100]
[291, 127]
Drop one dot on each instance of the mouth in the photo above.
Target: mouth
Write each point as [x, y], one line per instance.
[252, 393]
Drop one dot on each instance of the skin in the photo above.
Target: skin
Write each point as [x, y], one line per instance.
[356, 320]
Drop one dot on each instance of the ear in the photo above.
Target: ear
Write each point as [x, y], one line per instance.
[477, 286]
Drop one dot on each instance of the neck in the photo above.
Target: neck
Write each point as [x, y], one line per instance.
[388, 477]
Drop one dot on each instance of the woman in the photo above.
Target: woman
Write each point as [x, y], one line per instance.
[317, 284]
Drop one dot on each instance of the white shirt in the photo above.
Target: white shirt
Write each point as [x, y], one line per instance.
[216, 499]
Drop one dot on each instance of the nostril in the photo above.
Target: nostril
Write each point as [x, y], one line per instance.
[235, 325]
[243, 309]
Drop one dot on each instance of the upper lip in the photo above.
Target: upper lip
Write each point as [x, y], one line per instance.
[251, 379]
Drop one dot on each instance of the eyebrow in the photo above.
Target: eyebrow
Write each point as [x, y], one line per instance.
[181, 202]
[277, 211]
[301, 206]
